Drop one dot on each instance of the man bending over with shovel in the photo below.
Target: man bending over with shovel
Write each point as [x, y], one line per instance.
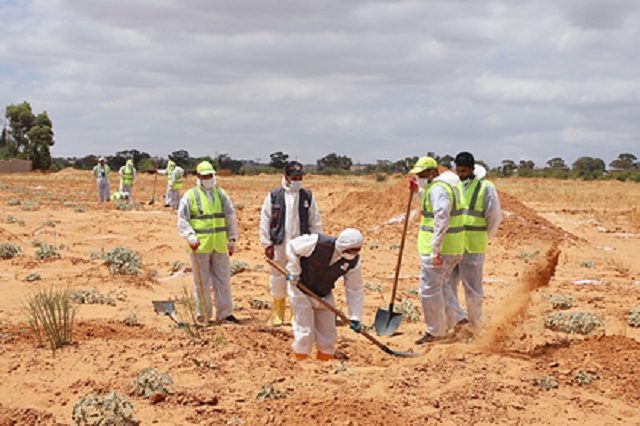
[207, 220]
[317, 261]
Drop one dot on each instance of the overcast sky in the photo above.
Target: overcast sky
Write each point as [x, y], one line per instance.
[368, 79]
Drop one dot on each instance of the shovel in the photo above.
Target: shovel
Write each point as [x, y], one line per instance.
[166, 307]
[343, 317]
[153, 197]
[387, 322]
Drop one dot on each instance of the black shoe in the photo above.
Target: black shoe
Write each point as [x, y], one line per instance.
[232, 319]
[428, 338]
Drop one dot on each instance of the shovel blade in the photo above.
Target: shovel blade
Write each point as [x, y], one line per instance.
[387, 322]
[164, 307]
[152, 201]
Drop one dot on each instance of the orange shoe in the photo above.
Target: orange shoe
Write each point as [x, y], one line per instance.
[324, 357]
[300, 356]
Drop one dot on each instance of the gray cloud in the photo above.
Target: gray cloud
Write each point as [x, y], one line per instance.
[368, 79]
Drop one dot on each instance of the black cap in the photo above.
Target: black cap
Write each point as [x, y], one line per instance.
[293, 168]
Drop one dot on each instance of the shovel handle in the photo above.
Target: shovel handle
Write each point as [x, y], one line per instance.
[404, 235]
[324, 303]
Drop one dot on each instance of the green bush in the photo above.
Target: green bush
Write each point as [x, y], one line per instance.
[8, 250]
[47, 251]
[150, 382]
[30, 205]
[578, 322]
[559, 301]
[98, 410]
[13, 219]
[123, 261]
[408, 310]
[238, 266]
[634, 318]
[14, 202]
[50, 315]
[91, 297]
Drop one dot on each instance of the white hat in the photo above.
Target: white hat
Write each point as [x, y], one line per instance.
[349, 238]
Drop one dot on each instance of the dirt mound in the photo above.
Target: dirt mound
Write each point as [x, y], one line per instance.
[26, 416]
[70, 171]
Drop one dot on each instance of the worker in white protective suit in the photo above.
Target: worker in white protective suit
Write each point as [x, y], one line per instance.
[482, 217]
[175, 175]
[101, 173]
[207, 220]
[287, 212]
[317, 261]
[127, 177]
[440, 242]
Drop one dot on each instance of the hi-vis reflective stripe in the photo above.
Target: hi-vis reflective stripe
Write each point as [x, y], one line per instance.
[449, 231]
[470, 212]
[210, 231]
[209, 216]
[452, 213]
[474, 197]
[475, 228]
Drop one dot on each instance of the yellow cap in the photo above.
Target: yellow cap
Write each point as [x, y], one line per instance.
[130, 162]
[205, 168]
[424, 163]
[171, 163]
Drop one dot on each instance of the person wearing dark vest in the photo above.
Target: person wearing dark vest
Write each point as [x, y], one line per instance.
[482, 217]
[287, 212]
[317, 261]
[440, 242]
[207, 220]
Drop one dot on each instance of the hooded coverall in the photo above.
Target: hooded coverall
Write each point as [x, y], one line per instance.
[278, 284]
[312, 321]
[437, 298]
[470, 268]
[127, 177]
[101, 173]
[214, 265]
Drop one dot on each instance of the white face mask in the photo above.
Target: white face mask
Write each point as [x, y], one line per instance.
[207, 183]
[348, 256]
[423, 182]
[295, 185]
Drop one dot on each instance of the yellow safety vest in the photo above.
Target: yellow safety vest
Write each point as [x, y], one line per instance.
[178, 182]
[127, 175]
[208, 220]
[96, 170]
[475, 225]
[453, 243]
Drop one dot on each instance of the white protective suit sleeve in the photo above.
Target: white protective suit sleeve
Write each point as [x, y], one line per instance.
[492, 210]
[302, 246]
[292, 227]
[184, 215]
[354, 287]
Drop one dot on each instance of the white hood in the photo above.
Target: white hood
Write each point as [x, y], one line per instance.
[479, 171]
[448, 177]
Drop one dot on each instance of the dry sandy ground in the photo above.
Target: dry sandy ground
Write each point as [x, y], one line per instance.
[550, 228]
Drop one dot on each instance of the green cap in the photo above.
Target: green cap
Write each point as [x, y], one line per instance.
[424, 163]
[205, 168]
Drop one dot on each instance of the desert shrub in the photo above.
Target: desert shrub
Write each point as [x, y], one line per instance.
[33, 277]
[373, 246]
[123, 261]
[150, 382]
[634, 318]
[14, 202]
[270, 392]
[132, 320]
[235, 421]
[125, 205]
[408, 310]
[546, 383]
[177, 265]
[91, 297]
[36, 243]
[559, 301]
[13, 219]
[8, 250]
[412, 291]
[50, 315]
[381, 177]
[587, 264]
[186, 309]
[4, 186]
[47, 251]
[260, 304]
[394, 246]
[238, 266]
[98, 410]
[29, 206]
[578, 322]
[373, 287]
[586, 377]
[239, 206]
[81, 208]
[528, 254]
[50, 223]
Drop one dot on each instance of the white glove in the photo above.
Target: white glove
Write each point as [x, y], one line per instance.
[194, 243]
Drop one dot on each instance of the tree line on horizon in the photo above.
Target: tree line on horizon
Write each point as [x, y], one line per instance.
[29, 136]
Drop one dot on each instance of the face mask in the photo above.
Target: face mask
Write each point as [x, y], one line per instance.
[295, 185]
[423, 182]
[348, 256]
[207, 183]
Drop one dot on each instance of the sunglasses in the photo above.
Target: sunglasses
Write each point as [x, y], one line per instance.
[353, 250]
